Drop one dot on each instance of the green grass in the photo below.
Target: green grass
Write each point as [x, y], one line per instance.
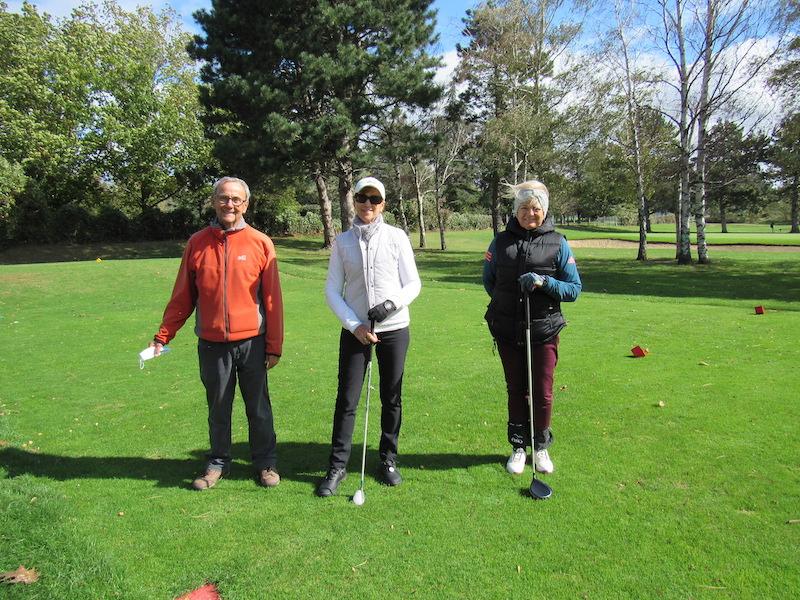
[689, 500]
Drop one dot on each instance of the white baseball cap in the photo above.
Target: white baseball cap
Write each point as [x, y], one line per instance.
[370, 182]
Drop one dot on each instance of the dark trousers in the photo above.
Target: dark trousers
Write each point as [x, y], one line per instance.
[220, 365]
[544, 358]
[353, 356]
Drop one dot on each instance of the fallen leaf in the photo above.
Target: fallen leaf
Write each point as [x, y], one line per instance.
[120, 514]
[562, 388]
[21, 575]
[519, 569]
[661, 404]
[703, 363]
[793, 521]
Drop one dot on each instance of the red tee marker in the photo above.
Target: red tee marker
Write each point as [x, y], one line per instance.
[639, 352]
[206, 592]
[760, 310]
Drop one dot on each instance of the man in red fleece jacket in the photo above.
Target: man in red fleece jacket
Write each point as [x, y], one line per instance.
[229, 278]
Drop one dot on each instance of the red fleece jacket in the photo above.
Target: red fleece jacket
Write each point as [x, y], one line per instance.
[231, 279]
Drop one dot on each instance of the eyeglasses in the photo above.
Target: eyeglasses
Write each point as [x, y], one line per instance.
[235, 200]
[530, 208]
[374, 200]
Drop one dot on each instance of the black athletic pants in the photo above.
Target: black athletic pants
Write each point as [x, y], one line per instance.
[390, 353]
[220, 364]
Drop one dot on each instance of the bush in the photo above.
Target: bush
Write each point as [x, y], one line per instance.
[111, 224]
[467, 222]
[70, 223]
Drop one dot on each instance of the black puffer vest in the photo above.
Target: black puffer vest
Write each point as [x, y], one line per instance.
[519, 251]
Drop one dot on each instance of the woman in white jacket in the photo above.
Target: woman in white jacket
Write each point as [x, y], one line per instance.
[372, 276]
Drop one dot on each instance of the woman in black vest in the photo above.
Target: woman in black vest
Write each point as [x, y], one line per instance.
[529, 256]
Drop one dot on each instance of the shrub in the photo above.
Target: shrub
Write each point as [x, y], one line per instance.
[110, 224]
[70, 223]
[467, 221]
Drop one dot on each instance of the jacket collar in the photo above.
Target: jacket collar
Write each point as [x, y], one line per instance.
[220, 233]
[517, 230]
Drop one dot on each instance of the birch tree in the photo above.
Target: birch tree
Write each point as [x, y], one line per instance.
[636, 87]
[715, 47]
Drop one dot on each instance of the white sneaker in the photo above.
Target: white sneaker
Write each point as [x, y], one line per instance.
[543, 462]
[516, 462]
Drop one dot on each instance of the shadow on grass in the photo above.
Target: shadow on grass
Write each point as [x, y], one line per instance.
[48, 253]
[729, 278]
[298, 461]
[44, 253]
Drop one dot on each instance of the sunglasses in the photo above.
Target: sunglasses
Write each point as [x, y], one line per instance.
[374, 200]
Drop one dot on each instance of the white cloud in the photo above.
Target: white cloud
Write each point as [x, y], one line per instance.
[445, 73]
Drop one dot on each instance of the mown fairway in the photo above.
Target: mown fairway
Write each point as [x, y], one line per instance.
[698, 498]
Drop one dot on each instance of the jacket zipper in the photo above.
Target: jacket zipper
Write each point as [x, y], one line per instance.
[225, 286]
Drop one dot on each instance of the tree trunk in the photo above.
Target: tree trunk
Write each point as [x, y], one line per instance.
[702, 120]
[795, 194]
[632, 105]
[684, 249]
[494, 193]
[400, 206]
[346, 192]
[723, 217]
[421, 216]
[440, 218]
[324, 209]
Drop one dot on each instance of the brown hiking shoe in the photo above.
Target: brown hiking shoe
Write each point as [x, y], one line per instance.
[208, 480]
[269, 477]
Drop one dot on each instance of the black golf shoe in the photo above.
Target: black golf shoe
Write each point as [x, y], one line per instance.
[389, 473]
[327, 487]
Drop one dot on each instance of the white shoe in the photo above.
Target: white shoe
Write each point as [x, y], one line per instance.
[516, 462]
[543, 462]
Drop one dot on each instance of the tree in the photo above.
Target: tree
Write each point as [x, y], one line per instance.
[734, 180]
[301, 93]
[633, 83]
[785, 157]
[715, 48]
[45, 104]
[785, 76]
[517, 93]
[148, 128]
[99, 108]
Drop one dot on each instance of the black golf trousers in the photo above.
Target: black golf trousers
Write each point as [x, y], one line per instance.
[221, 363]
[390, 353]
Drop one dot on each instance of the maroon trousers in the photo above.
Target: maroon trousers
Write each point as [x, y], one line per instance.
[544, 358]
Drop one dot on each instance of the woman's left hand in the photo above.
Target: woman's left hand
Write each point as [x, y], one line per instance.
[365, 336]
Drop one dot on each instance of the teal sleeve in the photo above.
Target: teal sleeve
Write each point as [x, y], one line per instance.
[566, 285]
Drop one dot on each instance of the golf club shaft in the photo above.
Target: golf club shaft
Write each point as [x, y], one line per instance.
[366, 408]
[530, 373]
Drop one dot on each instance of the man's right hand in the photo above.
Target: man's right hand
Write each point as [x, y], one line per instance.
[365, 336]
[157, 345]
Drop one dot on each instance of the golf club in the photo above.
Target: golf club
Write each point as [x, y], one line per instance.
[539, 489]
[358, 497]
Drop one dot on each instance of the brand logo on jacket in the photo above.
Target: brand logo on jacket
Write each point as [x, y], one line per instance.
[242, 257]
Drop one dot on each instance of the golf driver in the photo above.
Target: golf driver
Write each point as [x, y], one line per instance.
[358, 497]
[539, 489]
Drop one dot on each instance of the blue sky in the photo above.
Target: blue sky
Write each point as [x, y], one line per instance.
[449, 17]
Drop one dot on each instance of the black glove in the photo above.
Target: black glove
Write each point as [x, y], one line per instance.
[380, 311]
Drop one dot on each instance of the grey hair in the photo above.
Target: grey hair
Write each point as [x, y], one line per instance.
[527, 192]
[223, 180]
